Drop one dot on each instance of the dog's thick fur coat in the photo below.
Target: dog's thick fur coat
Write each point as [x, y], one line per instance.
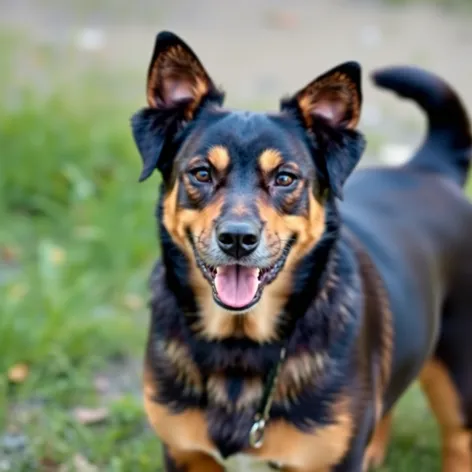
[365, 280]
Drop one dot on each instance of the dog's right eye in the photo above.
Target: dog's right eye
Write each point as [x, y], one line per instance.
[201, 174]
[284, 179]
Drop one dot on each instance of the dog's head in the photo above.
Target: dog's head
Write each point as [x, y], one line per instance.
[244, 193]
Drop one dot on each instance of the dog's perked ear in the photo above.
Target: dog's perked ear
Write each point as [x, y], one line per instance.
[177, 87]
[334, 96]
[329, 108]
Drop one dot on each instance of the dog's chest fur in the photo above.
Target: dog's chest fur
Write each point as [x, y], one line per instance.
[225, 380]
[244, 463]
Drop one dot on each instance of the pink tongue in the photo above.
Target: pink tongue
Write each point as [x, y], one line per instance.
[236, 285]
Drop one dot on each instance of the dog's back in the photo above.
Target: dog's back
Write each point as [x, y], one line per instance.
[416, 223]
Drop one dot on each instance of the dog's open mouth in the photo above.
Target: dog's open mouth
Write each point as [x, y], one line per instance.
[238, 287]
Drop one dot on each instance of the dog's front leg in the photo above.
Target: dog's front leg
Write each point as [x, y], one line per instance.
[354, 458]
[189, 462]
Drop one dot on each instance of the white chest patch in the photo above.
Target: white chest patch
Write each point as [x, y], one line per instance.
[243, 463]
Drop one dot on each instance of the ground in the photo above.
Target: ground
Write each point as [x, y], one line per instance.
[77, 238]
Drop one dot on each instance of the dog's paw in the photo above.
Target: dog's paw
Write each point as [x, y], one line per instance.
[376, 451]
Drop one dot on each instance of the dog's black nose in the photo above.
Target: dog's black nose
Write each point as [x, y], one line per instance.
[238, 238]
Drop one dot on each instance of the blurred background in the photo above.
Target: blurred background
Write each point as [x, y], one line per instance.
[77, 234]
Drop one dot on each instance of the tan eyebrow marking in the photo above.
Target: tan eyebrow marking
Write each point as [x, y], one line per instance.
[219, 158]
[269, 160]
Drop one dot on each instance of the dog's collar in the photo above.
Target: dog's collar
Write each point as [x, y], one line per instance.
[256, 433]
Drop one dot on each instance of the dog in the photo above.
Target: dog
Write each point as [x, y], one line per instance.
[296, 300]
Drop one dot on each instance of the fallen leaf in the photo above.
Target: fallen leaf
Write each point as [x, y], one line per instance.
[9, 254]
[57, 255]
[81, 464]
[88, 416]
[133, 301]
[48, 464]
[18, 373]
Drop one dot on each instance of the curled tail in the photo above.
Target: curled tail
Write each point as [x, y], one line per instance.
[447, 147]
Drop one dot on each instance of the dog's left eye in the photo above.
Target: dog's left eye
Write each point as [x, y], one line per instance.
[284, 179]
[202, 175]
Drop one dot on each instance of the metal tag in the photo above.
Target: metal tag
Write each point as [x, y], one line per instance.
[256, 435]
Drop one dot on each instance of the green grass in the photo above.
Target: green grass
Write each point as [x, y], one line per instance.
[77, 241]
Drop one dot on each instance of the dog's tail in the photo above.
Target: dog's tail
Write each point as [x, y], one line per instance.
[447, 147]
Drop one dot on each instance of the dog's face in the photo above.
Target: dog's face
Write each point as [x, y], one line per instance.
[244, 192]
[240, 201]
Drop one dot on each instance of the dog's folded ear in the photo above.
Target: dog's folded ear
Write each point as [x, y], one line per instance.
[177, 87]
[329, 108]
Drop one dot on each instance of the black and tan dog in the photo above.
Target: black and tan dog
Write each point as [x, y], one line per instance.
[291, 311]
